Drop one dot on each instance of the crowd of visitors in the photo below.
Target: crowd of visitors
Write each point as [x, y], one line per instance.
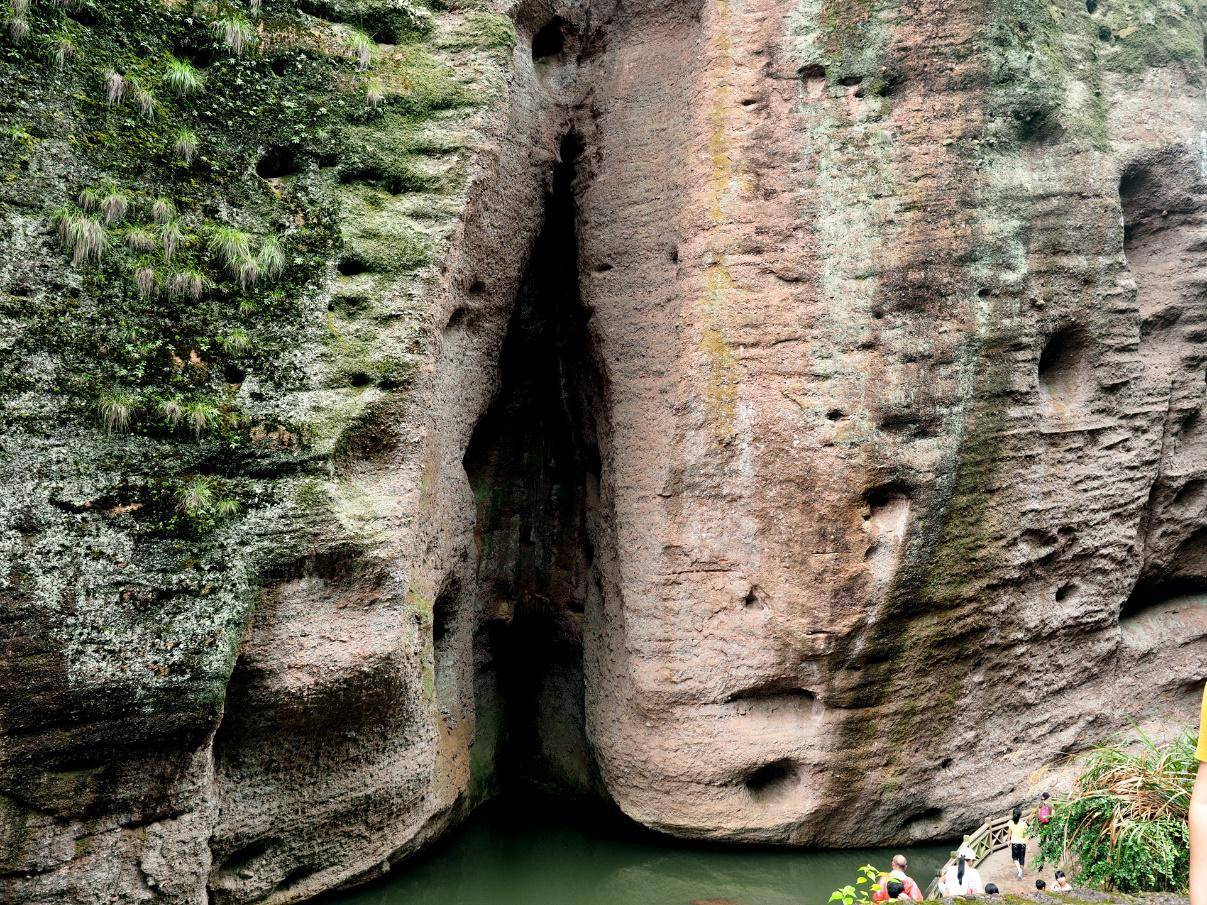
[961, 877]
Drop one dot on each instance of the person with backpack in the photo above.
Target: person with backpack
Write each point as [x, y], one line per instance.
[1045, 809]
[1020, 834]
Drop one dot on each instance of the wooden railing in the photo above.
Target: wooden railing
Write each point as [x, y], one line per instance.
[991, 836]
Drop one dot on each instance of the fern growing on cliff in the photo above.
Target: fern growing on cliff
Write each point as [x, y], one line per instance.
[1125, 823]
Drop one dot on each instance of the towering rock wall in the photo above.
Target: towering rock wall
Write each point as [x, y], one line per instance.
[779, 419]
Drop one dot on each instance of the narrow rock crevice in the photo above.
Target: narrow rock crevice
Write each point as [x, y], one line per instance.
[533, 463]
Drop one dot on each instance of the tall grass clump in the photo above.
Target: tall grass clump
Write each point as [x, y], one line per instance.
[82, 234]
[115, 87]
[116, 407]
[184, 143]
[183, 78]
[361, 46]
[62, 48]
[1124, 825]
[172, 237]
[235, 32]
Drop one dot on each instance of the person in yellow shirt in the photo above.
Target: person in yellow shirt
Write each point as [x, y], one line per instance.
[1020, 833]
[1198, 818]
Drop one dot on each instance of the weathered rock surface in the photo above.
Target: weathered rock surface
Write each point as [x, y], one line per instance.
[779, 418]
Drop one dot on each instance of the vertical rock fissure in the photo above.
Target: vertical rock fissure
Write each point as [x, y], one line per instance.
[533, 463]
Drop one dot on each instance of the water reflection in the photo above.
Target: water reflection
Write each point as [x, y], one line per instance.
[540, 855]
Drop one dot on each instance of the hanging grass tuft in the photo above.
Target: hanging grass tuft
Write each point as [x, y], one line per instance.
[271, 258]
[172, 237]
[235, 32]
[116, 407]
[139, 239]
[114, 204]
[115, 87]
[187, 284]
[148, 106]
[144, 279]
[163, 210]
[184, 143]
[232, 246]
[183, 78]
[18, 27]
[361, 46]
[63, 49]
[82, 234]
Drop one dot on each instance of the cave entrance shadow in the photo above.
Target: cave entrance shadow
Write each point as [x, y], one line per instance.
[533, 463]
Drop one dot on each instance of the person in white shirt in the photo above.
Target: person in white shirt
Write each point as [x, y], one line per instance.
[961, 878]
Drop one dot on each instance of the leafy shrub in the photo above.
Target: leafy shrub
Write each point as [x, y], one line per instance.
[861, 890]
[1125, 823]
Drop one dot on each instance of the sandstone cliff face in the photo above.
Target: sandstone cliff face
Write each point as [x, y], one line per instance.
[780, 419]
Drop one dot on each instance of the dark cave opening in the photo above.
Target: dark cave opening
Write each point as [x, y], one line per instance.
[533, 464]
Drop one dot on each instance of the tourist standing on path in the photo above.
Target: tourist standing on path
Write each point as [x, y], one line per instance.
[1019, 834]
[962, 879]
[1198, 819]
[1045, 809]
[898, 872]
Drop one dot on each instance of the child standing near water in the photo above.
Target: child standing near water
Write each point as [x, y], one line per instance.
[1019, 835]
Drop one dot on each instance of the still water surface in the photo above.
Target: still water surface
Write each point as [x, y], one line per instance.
[533, 854]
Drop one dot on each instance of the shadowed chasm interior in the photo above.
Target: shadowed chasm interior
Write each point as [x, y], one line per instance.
[533, 464]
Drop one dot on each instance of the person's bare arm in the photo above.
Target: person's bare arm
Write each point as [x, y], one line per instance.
[1198, 838]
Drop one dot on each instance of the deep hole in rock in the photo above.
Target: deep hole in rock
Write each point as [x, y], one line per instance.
[279, 162]
[771, 779]
[1063, 592]
[1063, 367]
[199, 55]
[1091, 6]
[351, 266]
[550, 40]
[533, 463]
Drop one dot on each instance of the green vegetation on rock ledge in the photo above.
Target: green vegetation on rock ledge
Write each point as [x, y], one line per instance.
[181, 355]
[1125, 823]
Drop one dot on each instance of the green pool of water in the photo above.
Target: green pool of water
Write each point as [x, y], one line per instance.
[542, 855]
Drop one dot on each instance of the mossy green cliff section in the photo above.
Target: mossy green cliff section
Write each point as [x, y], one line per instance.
[223, 224]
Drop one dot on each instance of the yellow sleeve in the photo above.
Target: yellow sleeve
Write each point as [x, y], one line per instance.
[1202, 751]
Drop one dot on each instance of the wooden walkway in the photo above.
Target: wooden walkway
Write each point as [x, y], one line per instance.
[991, 842]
